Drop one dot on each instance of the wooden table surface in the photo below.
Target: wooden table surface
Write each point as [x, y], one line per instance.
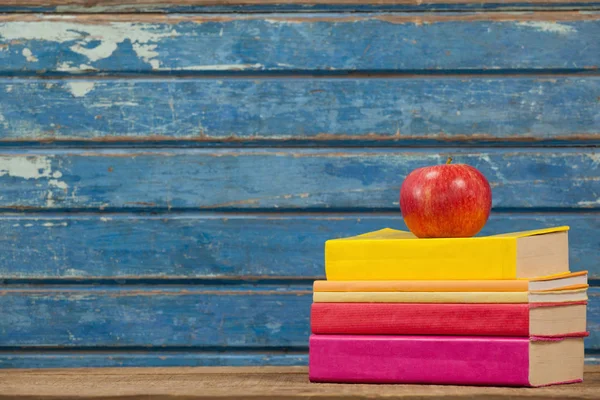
[246, 382]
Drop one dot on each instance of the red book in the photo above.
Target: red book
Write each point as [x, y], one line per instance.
[521, 320]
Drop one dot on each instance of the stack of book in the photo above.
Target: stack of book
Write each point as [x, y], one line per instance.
[499, 310]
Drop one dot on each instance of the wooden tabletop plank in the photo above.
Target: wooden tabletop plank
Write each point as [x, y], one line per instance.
[247, 382]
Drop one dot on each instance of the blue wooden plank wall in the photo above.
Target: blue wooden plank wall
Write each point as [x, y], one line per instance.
[180, 6]
[170, 170]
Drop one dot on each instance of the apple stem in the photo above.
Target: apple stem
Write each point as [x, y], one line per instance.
[449, 160]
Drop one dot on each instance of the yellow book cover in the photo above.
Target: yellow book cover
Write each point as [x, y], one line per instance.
[390, 254]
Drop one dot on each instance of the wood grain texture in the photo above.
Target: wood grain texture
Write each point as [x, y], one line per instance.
[172, 248]
[305, 179]
[136, 4]
[250, 383]
[155, 317]
[403, 111]
[33, 44]
[593, 322]
[110, 6]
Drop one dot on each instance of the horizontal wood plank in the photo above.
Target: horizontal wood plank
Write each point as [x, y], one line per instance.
[158, 317]
[347, 179]
[34, 44]
[250, 383]
[150, 316]
[457, 110]
[111, 6]
[221, 247]
[279, 6]
[149, 358]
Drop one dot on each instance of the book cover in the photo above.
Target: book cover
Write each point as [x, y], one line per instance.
[515, 320]
[454, 360]
[397, 255]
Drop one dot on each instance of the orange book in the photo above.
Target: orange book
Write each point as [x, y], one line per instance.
[568, 281]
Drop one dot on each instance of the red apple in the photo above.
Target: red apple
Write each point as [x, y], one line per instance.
[451, 200]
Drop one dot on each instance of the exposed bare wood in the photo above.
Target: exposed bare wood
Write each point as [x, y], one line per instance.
[134, 3]
[248, 383]
[422, 18]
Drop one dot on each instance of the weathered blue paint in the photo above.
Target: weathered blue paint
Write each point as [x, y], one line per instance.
[283, 178]
[195, 287]
[222, 246]
[300, 42]
[158, 317]
[289, 6]
[184, 358]
[385, 110]
[593, 319]
[150, 316]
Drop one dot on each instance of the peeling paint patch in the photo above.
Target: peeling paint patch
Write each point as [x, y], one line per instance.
[34, 167]
[50, 199]
[29, 55]
[589, 203]
[80, 88]
[552, 27]
[142, 36]
[274, 327]
[69, 67]
[147, 53]
[58, 184]
[75, 272]
[50, 224]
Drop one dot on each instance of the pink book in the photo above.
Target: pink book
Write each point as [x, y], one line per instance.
[454, 360]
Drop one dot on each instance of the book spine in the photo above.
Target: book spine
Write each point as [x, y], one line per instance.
[419, 359]
[420, 319]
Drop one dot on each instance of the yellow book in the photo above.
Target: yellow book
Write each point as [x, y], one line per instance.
[390, 254]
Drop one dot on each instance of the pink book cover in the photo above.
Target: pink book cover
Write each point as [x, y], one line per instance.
[458, 360]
